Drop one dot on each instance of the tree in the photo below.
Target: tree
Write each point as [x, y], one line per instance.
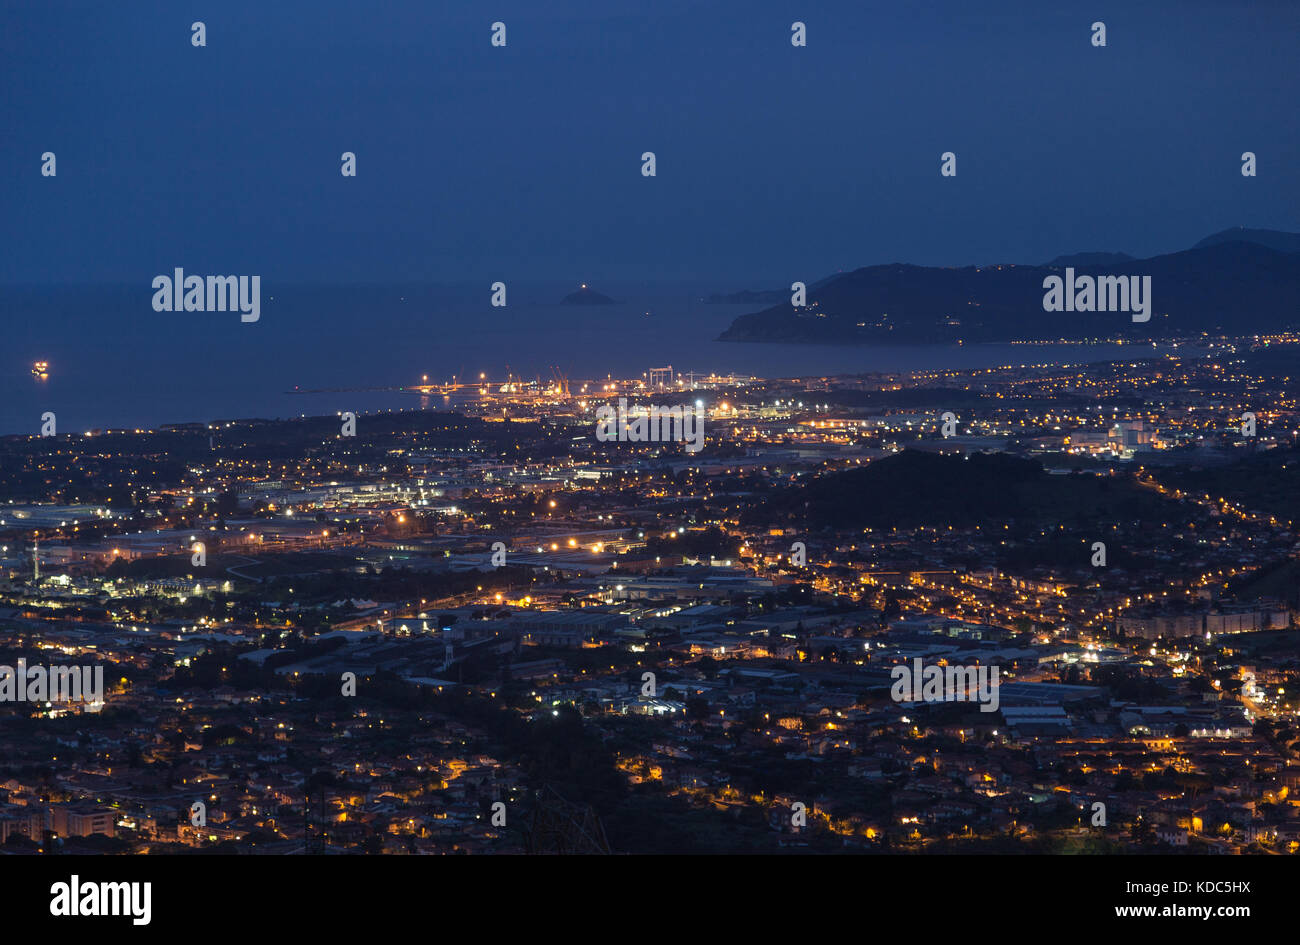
[697, 709]
[227, 503]
[1142, 832]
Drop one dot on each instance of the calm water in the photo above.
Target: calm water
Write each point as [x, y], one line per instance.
[115, 362]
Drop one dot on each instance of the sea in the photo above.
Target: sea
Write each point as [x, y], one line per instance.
[113, 362]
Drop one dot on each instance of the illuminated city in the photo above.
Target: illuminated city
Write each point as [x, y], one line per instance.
[734, 434]
[709, 637]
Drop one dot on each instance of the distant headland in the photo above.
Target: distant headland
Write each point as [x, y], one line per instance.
[585, 295]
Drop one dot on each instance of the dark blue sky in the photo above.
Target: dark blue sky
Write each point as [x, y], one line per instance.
[774, 163]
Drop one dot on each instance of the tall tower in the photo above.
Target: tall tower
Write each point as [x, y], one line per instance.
[558, 826]
[36, 561]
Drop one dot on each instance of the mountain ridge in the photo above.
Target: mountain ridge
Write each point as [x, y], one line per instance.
[1227, 285]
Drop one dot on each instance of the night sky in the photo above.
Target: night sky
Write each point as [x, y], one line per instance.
[523, 162]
